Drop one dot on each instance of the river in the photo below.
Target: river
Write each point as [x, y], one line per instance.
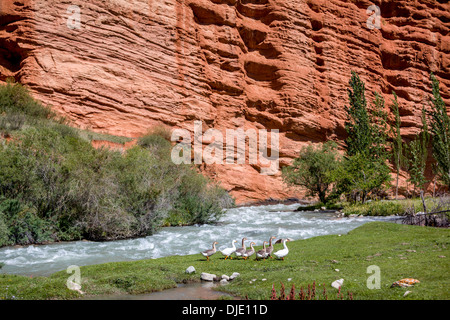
[257, 223]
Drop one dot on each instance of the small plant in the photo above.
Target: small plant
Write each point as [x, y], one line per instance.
[309, 295]
[292, 293]
[282, 293]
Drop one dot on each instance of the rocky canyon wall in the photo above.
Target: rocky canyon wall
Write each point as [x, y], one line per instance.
[122, 67]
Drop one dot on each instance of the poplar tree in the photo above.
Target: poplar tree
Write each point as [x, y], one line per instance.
[397, 143]
[364, 170]
[440, 131]
[417, 153]
[378, 124]
[357, 123]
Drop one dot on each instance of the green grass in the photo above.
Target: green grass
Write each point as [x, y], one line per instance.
[395, 207]
[400, 251]
[90, 135]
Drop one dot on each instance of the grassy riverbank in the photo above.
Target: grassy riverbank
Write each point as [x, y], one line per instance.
[396, 207]
[383, 207]
[400, 251]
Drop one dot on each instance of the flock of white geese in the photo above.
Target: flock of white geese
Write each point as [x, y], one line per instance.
[245, 253]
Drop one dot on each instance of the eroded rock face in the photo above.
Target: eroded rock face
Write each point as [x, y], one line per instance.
[126, 66]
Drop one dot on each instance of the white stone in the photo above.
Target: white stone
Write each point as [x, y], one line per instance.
[225, 277]
[338, 283]
[223, 281]
[190, 269]
[337, 270]
[207, 276]
[234, 275]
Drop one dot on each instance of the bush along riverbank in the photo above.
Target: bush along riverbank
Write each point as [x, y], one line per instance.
[381, 207]
[399, 251]
[55, 186]
[397, 207]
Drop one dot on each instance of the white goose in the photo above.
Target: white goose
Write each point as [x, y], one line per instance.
[229, 251]
[280, 254]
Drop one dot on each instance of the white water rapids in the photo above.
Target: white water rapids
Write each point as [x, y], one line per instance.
[257, 223]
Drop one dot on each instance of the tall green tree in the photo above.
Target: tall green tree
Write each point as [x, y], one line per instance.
[378, 125]
[417, 154]
[364, 170]
[440, 131]
[397, 142]
[357, 124]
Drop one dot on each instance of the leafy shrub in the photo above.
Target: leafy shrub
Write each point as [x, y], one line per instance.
[55, 186]
[28, 228]
[4, 232]
[198, 201]
[15, 99]
[23, 225]
[314, 170]
[11, 122]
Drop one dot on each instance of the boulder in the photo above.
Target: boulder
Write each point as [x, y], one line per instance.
[234, 275]
[190, 270]
[338, 283]
[207, 276]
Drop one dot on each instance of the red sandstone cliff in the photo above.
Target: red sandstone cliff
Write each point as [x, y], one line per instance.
[273, 64]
